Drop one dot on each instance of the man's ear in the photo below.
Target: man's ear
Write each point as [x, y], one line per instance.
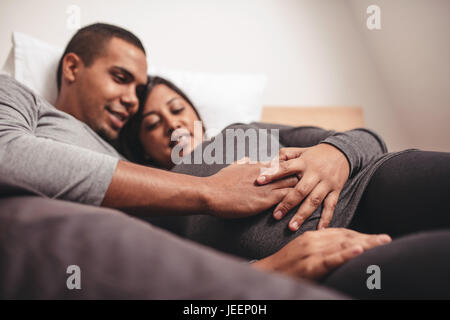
[71, 66]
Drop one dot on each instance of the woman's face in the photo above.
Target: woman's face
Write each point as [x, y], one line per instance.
[164, 112]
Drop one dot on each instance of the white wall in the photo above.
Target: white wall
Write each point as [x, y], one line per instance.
[315, 52]
[412, 55]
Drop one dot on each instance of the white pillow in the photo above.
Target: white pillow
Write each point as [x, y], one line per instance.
[220, 98]
[8, 66]
[35, 65]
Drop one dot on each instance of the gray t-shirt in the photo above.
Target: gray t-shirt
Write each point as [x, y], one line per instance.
[49, 150]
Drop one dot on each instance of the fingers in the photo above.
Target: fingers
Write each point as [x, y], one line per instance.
[311, 203]
[314, 195]
[289, 182]
[353, 249]
[329, 205]
[278, 194]
[318, 265]
[295, 196]
[315, 253]
[290, 153]
[338, 258]
[285, 168]
[350, 249]
[376, 240]
[366, 241]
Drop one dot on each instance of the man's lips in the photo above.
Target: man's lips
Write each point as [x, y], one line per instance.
[117, 117]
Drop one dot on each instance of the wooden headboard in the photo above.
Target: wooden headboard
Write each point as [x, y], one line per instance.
[336, 118]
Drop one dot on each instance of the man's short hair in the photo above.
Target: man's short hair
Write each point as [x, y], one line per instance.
[89, 42]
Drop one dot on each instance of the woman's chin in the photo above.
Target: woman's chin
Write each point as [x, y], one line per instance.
[184, 150]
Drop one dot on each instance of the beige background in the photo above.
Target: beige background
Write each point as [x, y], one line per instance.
[315, 52]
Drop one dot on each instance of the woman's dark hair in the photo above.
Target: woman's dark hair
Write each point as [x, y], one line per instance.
[129, 144]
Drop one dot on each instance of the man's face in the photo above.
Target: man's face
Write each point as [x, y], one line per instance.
[107, 89]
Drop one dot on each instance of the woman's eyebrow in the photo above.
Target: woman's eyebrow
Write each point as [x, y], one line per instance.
[171, 100]
[147, 114]
[154, 112]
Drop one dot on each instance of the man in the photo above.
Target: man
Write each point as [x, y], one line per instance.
[64, 153]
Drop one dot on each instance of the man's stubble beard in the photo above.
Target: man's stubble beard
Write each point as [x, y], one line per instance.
[108, 135]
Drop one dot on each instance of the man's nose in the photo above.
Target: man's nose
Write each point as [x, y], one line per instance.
[130, 100]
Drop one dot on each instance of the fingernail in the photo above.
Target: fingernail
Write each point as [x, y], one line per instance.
[294, 225]
[278, 215]
[384, 238]
[261, 179]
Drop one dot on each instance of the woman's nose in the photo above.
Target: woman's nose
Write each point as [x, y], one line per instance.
[172, 125]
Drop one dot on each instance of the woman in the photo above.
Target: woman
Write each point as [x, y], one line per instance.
[347, 179]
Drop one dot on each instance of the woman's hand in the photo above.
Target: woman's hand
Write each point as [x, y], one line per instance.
[315, 253]
[323, 171]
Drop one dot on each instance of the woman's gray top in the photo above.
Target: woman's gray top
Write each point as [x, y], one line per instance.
[261, 235]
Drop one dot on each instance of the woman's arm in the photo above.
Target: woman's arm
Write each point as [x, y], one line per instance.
[324, 160]
[360, 146]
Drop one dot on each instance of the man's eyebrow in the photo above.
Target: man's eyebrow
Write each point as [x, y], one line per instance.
[122, 69]
[130, 75]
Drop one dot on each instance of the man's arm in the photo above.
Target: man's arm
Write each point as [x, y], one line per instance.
[136, 188]
[53, 168]
[68, 172]
[230, 193]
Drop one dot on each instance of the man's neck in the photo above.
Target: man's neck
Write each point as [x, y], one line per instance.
[65, 104]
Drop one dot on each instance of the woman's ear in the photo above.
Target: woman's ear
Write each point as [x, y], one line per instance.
[71, 66]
